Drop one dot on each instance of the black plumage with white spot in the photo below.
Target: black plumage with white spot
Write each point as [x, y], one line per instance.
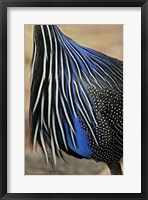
[107, 106]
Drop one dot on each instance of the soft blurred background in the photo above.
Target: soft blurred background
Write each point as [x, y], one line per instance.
[107, 39]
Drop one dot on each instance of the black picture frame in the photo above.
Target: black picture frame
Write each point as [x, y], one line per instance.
[4, 4]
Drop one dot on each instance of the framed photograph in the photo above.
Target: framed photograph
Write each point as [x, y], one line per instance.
[73, 100]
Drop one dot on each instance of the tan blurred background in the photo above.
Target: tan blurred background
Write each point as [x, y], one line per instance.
[107, 39]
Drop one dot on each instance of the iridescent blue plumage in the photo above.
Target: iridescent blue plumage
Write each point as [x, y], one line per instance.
[76, 98]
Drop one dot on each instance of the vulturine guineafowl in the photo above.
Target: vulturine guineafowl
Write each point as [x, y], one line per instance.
[76, 102]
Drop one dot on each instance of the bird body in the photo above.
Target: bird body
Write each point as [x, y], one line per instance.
[76, 102]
